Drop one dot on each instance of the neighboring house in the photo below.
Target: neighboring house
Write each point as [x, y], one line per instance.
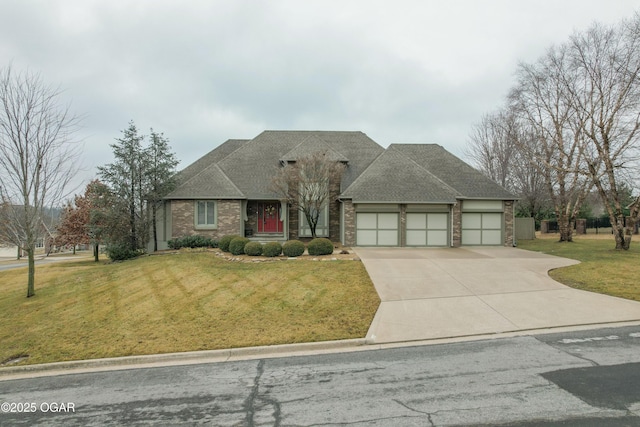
[406, 195]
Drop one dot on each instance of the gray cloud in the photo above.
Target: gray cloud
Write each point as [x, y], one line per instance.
[205, 71]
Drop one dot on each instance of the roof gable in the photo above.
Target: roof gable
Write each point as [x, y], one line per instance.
[467, 181]
[311, 145]
[252, 167]
[210, 183]
[212, 157]
[202, 180]
[394, 177]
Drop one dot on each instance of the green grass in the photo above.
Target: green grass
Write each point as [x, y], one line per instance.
[602, 268]
[184, 302]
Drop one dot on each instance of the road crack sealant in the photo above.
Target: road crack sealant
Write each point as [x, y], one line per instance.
[415, 410]
[250, 404]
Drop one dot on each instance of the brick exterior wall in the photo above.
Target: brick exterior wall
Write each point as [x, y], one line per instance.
[294, 215]
[183, 219]
[403, 225]
[334, 216]
[456, 226]
[509, 223]
[349, 223]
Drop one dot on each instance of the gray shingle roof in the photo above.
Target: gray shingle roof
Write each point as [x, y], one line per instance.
[200, 179]
[311, 145]
[212, 157]
[425, 173]
[468, 182]
[210, 183]
[253, 165]
[396, 178]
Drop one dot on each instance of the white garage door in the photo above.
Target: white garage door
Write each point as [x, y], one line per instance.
[427, 229]
[376, 229]
[482, 228]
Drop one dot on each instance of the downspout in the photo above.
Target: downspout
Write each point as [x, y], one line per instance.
[284, 217]
[341, 221]
[244, 205]
[451, 207]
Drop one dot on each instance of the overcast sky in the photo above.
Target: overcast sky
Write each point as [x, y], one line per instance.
[206, 71]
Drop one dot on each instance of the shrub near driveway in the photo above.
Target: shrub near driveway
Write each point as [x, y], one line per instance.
[272, 249]
[253, 249]
[236, 247]
[293, 248]
[180, 302]
[225, 241]
[320, 246]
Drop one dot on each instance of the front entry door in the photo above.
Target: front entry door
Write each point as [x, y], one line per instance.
[269, 217]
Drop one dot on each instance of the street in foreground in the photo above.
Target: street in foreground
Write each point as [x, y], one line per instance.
[584, 378]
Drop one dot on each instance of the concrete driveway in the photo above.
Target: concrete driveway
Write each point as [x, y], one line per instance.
[430, 293]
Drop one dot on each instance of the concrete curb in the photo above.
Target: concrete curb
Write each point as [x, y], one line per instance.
[266, 352]
[184, 358]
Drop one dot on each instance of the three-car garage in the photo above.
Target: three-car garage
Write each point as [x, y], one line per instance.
[481, 223]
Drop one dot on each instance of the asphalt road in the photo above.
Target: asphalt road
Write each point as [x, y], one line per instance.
[588, 378]
[38, 261]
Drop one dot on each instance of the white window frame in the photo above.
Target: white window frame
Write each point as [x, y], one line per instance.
[205, 226]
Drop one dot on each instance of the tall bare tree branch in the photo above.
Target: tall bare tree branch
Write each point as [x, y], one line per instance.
[38, 158]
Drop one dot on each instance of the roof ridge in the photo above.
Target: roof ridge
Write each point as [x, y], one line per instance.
[229, 179]
[321, 146]
[359, 177]
[213, 165]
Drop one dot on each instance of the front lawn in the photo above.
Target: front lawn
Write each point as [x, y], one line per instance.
[179, 302]
[602, 268]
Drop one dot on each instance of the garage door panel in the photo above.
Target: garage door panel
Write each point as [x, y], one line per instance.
[427, 229]
[438, 221]
[471, 237]
[471, 220]
[367, 220]
[482, 228]
[416, 237]
[416, 221]
[388, 221]
[492, 221]
[438, 238]
[376, 229]
[388, 238]
[367, 237]
[491, 237]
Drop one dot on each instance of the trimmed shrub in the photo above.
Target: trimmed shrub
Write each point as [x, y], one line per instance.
[293, 248]
[192, 242]
[119, 252]
[272, 249]
[253, 248]
[320, 246]
[236, 247]
[225, 241]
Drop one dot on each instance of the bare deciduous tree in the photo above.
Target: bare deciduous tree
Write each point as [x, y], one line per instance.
[540, 99]
[37, 158]
[308, 184]
[497, 148]
[493, 146]
[161, 174]
[607, 61]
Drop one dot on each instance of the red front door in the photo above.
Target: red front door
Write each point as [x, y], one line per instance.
[269, 217]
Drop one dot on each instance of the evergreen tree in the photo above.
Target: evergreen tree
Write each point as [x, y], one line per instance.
[126, 179]
[161, 175]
